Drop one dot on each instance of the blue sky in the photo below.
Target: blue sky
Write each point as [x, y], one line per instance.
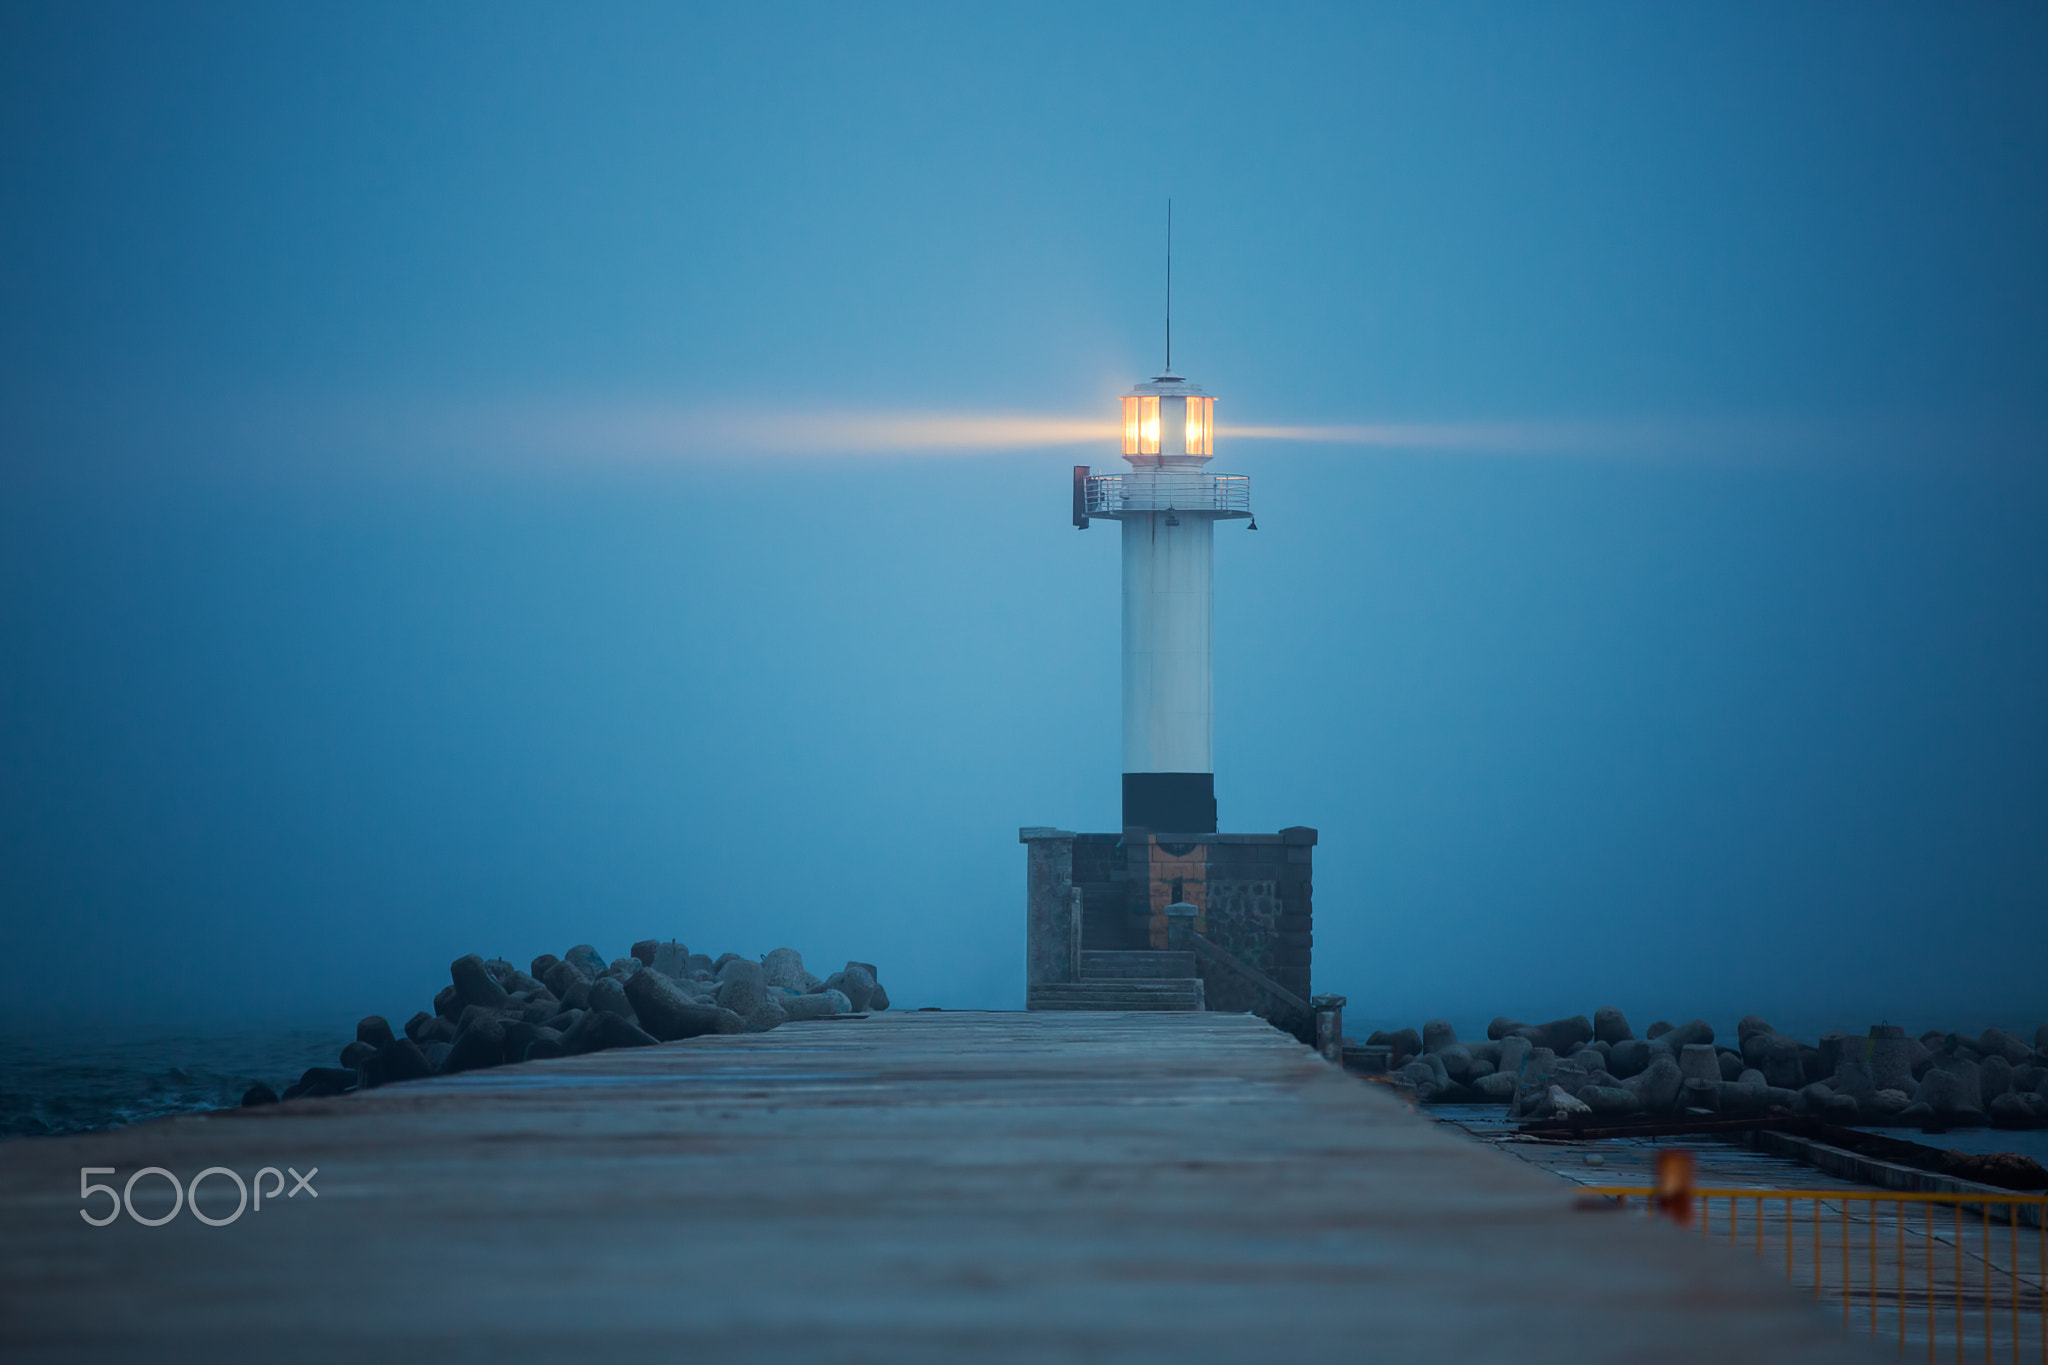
[404, 551]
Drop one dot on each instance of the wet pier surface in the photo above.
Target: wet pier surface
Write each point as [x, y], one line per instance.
[908, 1188]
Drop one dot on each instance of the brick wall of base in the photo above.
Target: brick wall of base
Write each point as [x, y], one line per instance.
[1254, 894]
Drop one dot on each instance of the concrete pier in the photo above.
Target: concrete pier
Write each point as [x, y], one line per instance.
[907, 1188]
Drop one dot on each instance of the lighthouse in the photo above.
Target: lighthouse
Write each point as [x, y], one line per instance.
[1167, 912]
[1169, 503]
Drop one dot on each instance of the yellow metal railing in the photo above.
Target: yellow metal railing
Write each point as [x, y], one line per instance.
[1910, 1260]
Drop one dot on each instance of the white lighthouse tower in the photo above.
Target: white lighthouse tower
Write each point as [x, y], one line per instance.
[1169, 503]
[1169, 913]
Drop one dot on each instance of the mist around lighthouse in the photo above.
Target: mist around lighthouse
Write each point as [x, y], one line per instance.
[402, 553]
[1022, 684]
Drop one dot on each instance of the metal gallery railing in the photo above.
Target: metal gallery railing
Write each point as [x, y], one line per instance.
[1178, 490]
[1962, 1274]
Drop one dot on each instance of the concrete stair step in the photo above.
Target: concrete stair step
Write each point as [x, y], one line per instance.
[1102, 965]
[1153, 994]
[1094, 988]
[1131, 985]
[1120, 1006]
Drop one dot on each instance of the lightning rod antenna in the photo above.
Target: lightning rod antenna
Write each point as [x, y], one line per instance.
[1169, 286]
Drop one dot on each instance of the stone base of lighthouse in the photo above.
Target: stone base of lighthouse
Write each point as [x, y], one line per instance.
[1171, 921]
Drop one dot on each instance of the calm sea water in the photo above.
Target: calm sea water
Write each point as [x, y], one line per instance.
[77, 1081]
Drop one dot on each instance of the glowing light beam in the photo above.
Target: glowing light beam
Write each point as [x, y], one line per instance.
[656, 433]
[637, 433]
[624, 432]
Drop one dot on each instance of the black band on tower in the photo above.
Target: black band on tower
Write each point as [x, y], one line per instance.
[1171, 803]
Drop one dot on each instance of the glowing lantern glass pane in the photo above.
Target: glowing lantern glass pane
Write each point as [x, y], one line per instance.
[1141, 426]
[1201, 426]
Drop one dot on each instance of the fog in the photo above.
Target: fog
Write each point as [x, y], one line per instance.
[493, 478]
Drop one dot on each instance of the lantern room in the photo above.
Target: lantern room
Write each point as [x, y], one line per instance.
[1168, 421]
